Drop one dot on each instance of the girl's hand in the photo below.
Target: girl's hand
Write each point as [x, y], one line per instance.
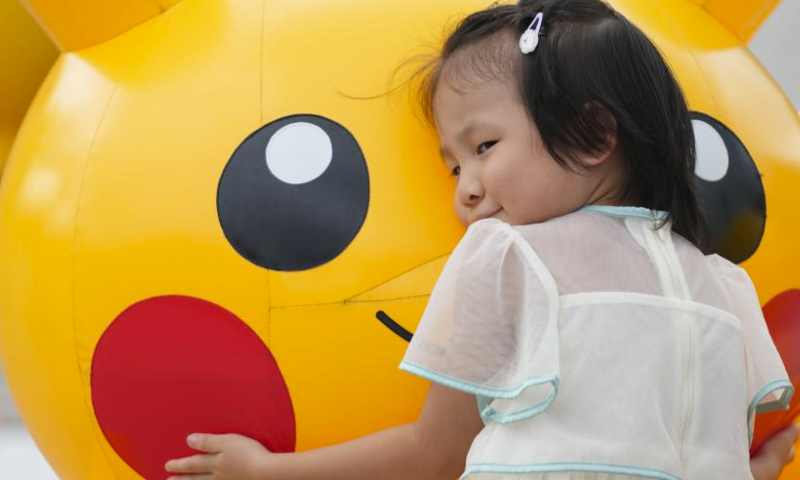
[226, 457]
[770, 459]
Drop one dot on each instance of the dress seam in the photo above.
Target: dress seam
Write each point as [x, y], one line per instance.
[636, 298]
[569, 467]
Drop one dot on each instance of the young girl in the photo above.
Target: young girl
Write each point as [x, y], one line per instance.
[577, 331]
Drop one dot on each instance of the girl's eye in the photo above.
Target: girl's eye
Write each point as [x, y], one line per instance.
[455, 171]
[485, 146]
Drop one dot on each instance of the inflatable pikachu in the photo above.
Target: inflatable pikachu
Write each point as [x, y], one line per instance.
[23, 66]
[166, 267]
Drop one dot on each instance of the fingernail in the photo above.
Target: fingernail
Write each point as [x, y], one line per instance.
[191, 440]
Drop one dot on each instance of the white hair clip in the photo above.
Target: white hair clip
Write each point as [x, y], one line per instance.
[530, 37]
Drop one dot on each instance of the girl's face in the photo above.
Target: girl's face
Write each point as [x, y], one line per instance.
[502, 167]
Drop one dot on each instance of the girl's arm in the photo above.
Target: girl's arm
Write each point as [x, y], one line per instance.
[434, 447]
[775, 454]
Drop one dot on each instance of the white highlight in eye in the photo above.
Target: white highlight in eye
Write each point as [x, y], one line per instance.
[712, 154]
[299, 152]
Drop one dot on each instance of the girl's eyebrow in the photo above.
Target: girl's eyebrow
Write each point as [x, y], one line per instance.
[465, 132]
[467, 129]
[442, 153]
[471, 126]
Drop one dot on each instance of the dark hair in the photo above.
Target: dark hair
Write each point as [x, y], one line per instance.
[593, 74]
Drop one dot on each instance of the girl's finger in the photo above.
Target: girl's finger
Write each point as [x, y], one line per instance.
[205, 442]
[794, 431]
[193, 464]
[192, 477]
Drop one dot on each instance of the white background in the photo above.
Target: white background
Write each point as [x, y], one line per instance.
[775, 44]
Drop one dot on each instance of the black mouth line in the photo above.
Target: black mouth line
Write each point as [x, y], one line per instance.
[394, 326]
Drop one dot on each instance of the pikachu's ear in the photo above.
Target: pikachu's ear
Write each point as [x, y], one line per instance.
[24, 67]
[77, 24]
[742, 17]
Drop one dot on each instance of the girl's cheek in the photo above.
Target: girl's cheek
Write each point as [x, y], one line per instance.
[460, 211]
[498, 175]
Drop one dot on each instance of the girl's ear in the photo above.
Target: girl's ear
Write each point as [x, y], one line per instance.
[605, 124]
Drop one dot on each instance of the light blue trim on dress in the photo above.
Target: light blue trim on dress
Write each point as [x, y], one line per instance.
[487, 412]
[779, 404]
[620, 211]
[568, 467]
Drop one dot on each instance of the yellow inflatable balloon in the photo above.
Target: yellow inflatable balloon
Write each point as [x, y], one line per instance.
[24, 66]
[165, 266]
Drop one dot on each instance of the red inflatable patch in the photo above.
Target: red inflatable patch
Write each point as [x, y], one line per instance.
[783, 320]
[170, 366]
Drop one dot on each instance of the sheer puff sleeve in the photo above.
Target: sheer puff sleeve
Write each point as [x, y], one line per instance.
[768, 385]
[491, 325]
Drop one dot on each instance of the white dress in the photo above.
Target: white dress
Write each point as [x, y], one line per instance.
[600, 348]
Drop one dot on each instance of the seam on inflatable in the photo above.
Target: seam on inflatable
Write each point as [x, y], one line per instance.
[426, 262]
[698, 65]
[351, 302]
[269, 311]
[261, 68]
[87, 400]
[388, 300]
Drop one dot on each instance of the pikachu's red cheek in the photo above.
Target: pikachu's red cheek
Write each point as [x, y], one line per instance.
[173, 365]
[782, 314]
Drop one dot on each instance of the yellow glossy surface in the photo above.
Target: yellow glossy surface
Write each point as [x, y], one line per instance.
[74, 25]
[742, 17]
[29, 60]
[109, 195]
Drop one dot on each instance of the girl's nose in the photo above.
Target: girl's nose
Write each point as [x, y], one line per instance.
[470, 189]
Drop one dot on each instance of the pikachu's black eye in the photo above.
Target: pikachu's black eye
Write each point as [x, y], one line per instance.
[730, 190]
[294, 194]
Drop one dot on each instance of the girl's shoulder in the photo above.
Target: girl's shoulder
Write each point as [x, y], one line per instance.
[492, 245]
[735, 280]
[593, 251]
[494, 241]
[576, 234]
[568, 235]
[557, 227]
